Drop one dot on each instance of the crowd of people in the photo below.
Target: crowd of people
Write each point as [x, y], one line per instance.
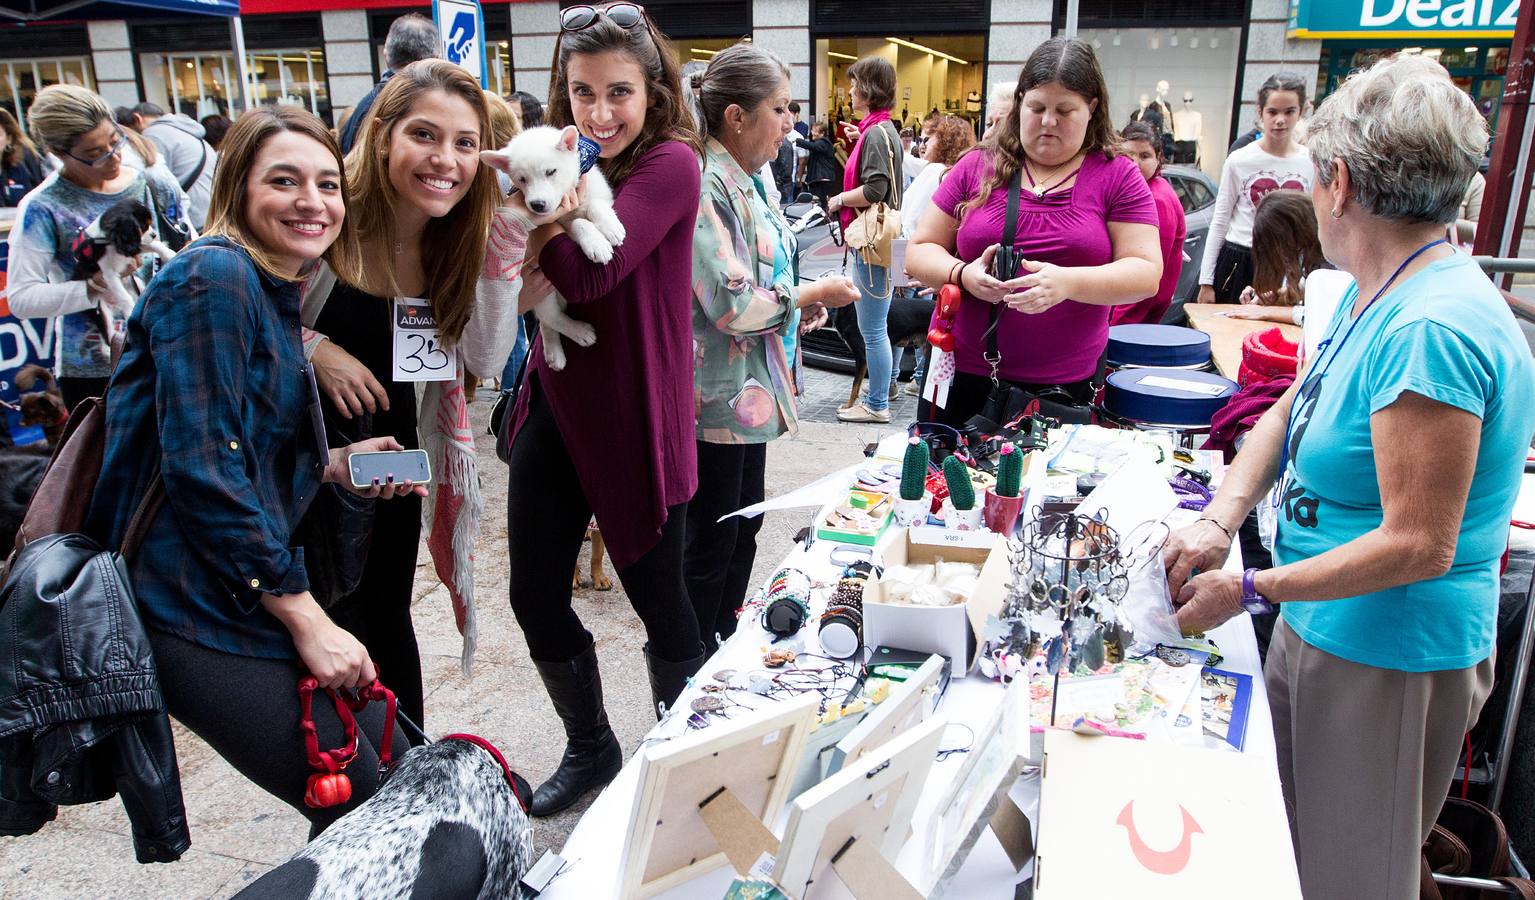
[259, 360]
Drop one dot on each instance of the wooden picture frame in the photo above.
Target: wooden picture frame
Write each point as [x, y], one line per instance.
[751, 759]
[967, 804]
[901, 710]
[870, 803]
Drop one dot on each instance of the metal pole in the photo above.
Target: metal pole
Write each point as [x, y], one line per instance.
[1515, 700]
[1072, 7]
[1508, 179]
[242, 62]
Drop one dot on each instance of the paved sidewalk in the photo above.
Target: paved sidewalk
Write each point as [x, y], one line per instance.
[238, 832]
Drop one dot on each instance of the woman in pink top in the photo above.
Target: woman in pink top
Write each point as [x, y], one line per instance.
[1141, 143]
[1086, 227]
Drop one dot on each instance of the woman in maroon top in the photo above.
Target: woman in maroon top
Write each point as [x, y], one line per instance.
[612, 433]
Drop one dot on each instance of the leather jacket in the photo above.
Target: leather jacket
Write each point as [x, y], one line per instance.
[81, 716]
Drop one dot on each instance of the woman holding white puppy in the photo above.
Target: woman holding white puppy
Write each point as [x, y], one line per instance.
[424, 206]
[611, 433]
[747, 299]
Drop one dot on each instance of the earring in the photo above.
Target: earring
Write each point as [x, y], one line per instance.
[1337, 214]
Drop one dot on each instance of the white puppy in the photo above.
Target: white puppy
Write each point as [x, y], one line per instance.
[544, 163]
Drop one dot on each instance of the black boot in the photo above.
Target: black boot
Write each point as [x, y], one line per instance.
[593, 755]
[667, 678]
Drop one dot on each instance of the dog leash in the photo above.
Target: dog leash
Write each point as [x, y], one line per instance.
[329, 784]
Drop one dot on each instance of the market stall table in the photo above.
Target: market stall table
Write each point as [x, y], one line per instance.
[595, 852]
[1226, 334]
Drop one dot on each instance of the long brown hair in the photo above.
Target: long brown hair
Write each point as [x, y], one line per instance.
[17, 144]
[668, 117]
[453, 246]
[1071, 63]
[1285, 247]
[237, 159]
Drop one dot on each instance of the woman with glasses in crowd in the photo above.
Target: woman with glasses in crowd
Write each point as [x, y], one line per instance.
[77, 127]
[612, 433]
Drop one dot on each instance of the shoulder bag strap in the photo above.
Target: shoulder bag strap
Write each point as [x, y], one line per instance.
[143, 517]
[1009, 234]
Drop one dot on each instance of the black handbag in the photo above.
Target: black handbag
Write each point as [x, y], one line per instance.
[1008, 404]
[337, 530]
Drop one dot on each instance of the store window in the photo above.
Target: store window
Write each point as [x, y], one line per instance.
[1178, 79]
[24, 78]
[1476, 68]
[942, 72]
[205, 84]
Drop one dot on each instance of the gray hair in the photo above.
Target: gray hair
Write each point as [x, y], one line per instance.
[1002, 92]
[412, 37]
[1410, 138]
[743, 75]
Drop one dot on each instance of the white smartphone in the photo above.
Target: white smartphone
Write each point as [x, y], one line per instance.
[400, 465]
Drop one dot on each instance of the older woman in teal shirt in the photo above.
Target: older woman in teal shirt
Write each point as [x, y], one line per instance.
[1398, 455]
[746, 303]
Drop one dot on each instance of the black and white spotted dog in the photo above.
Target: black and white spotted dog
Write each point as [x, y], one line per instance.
[113, 244]
[449, 823]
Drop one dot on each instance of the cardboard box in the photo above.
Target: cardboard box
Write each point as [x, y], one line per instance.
[858, 499]
[944, 630]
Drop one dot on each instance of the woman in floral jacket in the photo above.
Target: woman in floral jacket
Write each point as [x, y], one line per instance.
[747, 309]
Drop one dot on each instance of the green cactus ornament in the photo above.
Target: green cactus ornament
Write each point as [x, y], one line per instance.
[1009, 471]
[957, 477]
[914, 470]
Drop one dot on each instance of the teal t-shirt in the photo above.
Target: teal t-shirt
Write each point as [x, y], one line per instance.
[1445, 334]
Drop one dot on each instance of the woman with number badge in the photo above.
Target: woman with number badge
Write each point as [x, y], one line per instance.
[424, 206]
[1397, 457]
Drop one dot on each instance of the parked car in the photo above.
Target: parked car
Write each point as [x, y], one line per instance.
[821, 254]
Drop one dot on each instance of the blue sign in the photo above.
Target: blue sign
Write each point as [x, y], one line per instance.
[22, 341]
[462, 27]
[1403, 19]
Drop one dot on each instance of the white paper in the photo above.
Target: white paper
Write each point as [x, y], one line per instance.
[817, 493]
[419, 353]
[1134, 494]
[1183, 384]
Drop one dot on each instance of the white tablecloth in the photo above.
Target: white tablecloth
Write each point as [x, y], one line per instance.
[595, 850]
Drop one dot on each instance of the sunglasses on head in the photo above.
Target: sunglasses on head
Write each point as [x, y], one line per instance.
[624, 15]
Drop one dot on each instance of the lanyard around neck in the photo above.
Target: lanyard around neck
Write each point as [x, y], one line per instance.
[1332, 351]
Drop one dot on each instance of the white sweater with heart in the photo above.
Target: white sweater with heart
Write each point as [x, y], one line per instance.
[1248, 174]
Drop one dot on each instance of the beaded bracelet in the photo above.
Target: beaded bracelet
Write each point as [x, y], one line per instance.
[1224, 530]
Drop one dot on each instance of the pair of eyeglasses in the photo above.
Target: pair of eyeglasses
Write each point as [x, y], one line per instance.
[116, 148]
[624, 15]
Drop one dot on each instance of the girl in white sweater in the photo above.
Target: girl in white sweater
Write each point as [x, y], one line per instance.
[1273, 162]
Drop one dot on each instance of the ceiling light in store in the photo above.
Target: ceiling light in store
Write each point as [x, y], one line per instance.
[841, 55]
[1214, 42]
[1116, 37]
[704, 52]
[189, 65]
[1194, 42]
[1156, 41]
[1471, 49]
[1174, 39]
[1412, 50]
[928, 50]
[1097, 43]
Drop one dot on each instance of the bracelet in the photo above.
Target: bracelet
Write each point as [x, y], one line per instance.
[955, 269]
[1224, 530]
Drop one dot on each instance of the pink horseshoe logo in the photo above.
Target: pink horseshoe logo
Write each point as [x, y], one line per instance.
[1162, 862]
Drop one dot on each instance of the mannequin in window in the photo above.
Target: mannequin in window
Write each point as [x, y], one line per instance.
[1150, 113]
[1188, 129]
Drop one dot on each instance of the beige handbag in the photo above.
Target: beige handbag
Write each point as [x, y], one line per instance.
[876, 227]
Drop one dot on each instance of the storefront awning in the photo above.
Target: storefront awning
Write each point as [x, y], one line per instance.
[39, 10]
[1403, 19]
[259, 7]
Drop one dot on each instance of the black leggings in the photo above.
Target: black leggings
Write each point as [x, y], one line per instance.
[247, 710]
[378, 611]
[968, 394]
[546, 520]
[719, 557]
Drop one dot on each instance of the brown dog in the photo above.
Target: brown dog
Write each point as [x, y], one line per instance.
[44, 406]
[599, 579]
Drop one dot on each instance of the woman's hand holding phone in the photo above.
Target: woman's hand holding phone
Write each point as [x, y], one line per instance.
[338, 471]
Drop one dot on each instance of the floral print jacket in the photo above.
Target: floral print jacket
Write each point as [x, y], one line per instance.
[742, 387]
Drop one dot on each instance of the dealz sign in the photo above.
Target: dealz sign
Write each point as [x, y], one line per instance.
[1406, 19]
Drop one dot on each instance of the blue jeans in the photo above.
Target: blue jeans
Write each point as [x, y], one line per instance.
[514, 362]
[873, 308]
